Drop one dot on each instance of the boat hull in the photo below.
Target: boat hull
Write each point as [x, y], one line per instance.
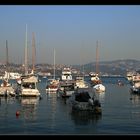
[85, 106]
[7, 91]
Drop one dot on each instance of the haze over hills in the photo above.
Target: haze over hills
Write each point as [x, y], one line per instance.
[116, 67]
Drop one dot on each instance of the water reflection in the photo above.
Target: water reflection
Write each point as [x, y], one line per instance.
[52, 96]
[7, 100]
[101, 97]
[29, 107]
[84, 117]
[135, 98]
[6, 106]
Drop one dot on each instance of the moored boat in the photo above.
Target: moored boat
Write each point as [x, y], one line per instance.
[6, 88]
[66, 74]
[80, 82]
[28, 86]
[99, 88]
[52, 85]
[66, 88]
[135, 85]
[83, 101]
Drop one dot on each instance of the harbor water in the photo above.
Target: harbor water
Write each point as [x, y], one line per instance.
[52, 115]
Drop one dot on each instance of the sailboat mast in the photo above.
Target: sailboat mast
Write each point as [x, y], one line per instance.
[33, 51]
[26, 53]
[7, 53]
[82, 55]
[7, 59]
[97, 59]
[54, 63]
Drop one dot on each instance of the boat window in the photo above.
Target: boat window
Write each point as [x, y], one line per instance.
[29, 85]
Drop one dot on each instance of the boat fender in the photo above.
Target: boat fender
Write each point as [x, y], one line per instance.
[17, 113]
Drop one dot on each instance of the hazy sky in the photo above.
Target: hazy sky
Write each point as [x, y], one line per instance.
[72, 30]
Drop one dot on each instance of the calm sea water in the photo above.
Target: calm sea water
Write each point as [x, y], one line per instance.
[53, 115]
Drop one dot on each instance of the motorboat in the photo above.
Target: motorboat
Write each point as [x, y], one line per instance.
[66, 74]
[80, 82]
[28, 86]
[135, 85]
[52, 85]
[85, 101]
[99, 88]
[66, 88]
[94, 79]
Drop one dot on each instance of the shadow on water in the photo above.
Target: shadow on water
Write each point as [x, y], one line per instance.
[135, 107]
[84, 117]
[135, 98]
[101, 97]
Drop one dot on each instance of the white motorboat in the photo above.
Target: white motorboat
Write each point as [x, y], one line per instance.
[94, 79]
[80, 82]
[135, 85]
[28, 86]
[66, 74]
[52, 85]
[99, 88]
[66, 89]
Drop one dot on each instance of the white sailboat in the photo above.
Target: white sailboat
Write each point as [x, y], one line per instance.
[80, 81]
[28, 84]
[97, 84]
[52, 84]
[6, 88]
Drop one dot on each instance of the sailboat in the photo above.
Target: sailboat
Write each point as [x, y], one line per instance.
[96, 82]
[95, 76]
[6, 88]
[28, 83]
[80, 80]
[52, 84]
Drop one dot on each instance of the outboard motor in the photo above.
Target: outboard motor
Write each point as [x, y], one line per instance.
[97, 103]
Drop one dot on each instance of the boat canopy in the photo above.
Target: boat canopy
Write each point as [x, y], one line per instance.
[30, 79]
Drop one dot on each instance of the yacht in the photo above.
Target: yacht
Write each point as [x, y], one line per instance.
[28, 86]
[66, 74]
[80, 82]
